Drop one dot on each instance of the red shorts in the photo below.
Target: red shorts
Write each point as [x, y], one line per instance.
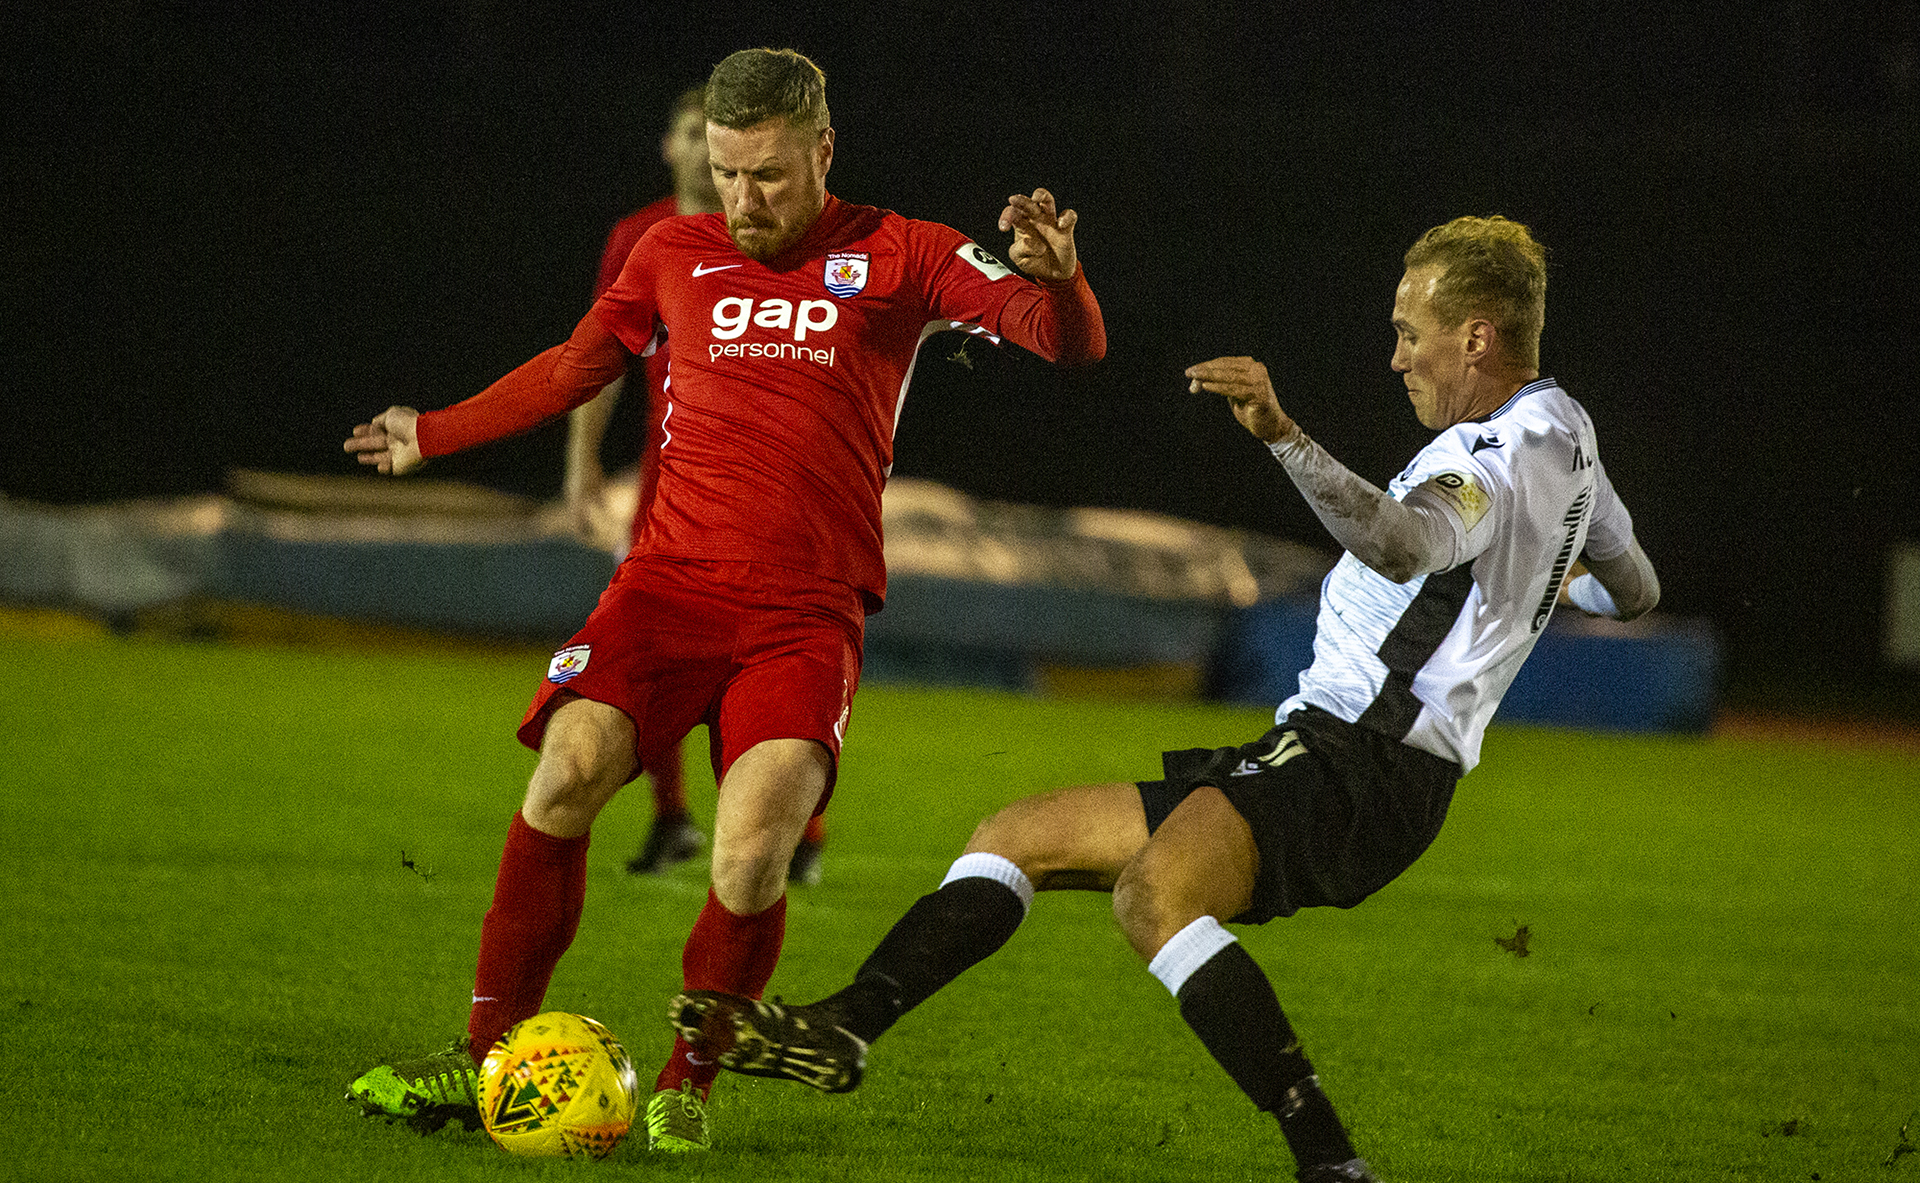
[755, 652]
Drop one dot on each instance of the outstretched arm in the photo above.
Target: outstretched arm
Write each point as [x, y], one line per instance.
[551, 384]
[1396, 539]
[1042, 237]
[1057, 317]
[388, 441]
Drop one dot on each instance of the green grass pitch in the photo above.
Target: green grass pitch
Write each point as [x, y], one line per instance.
[209, 928]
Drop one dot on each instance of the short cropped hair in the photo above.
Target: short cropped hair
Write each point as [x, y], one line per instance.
[1490, 267]
[755, 85]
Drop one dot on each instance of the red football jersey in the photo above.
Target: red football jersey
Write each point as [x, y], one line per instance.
[788, 376]
[785, 378]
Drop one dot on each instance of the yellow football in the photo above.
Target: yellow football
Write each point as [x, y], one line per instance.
[556, 1085]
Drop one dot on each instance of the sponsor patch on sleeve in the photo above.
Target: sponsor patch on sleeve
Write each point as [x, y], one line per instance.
[983, 262]
[1462, 492]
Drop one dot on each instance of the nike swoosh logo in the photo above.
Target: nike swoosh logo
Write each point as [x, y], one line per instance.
[700, 269]
[1484, 442]
[697, 1062]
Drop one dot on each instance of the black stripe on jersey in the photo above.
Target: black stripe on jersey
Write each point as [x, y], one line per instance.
[1415, 637]
[1576, 513]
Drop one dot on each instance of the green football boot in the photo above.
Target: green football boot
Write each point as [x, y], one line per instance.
[677, 1121]
[426, 1093]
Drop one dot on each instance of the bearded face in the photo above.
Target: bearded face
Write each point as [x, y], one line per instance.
[772, 179]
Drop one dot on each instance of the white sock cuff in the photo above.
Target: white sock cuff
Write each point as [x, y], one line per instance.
[1190, 948]
[981, 865]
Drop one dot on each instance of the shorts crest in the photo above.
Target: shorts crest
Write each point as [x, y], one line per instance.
[569, 663]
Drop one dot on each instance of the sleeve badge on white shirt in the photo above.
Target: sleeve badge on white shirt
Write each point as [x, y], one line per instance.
[1463, 493]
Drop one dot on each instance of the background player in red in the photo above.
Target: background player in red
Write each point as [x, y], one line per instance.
[606, 520]
[602, 510]
[797, 318]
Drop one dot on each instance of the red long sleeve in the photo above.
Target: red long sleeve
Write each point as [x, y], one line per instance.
[551, 384]
[1060, 322]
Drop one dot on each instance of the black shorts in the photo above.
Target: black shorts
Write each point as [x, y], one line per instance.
[1338, 811]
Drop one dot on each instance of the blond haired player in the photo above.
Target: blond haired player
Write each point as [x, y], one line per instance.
[1449, 575]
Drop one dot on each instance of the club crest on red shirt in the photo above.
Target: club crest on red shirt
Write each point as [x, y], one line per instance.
[846, 272]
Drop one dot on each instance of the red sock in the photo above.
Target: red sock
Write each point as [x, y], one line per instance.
[669, 785]
[724, 952]
[536, 910]
[817, 829]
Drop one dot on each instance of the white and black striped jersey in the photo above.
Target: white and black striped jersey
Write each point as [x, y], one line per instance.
[1427, 661]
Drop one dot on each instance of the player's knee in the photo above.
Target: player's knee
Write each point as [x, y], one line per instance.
[1157, 894]
[578, 773]
[1139, 905]
[750, 874]
[589, 743]
[584, 760]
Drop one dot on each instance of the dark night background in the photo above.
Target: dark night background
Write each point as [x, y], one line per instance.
[234, 232]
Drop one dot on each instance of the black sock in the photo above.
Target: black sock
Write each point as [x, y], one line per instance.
[1232, 1008]
[944, 932]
